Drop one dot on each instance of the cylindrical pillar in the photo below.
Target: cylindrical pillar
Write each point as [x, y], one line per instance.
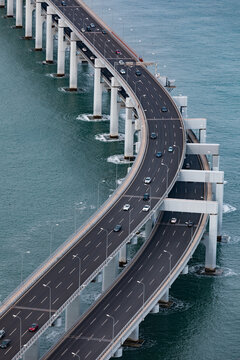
[49, 37]
[97, 99]
[211, 244]
[155, 309]
[148, 228]
[2, 3]
[109, 273]
[61, 49]
[118, 353]
[72, 313]
[165, 297]
[9, 8]
[28, 19]
[73, 64]
[19, 9]
[219, 199]
[114, 109]
[38, 27]
[134, 336]
[185, 270]
[202, 135]
[123, 255]
[128, 143]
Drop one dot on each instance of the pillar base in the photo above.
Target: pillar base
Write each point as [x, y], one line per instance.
[8, 16]
[97, 117]
[18, 27]
[27, 37]
[38, 49]
[113, 136]
[72, 89]
[131, 158]
[48, 62]
[59, 75]
[122, 263]
[133, 344]
[219, 238]
[2, 6]
[165, 304]
[212, 272]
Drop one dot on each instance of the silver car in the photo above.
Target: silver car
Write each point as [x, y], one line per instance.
[2, 333]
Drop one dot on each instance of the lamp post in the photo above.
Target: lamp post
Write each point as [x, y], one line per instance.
[162, 163]
[106, 240]
[51, 236]
[150, 193]
[16, 316]
[74, 354]
[143, 285]
[178, 148]
[143, 95]
[22, 256]
[108, 40]
[79, 269]
[50, 299]
[129, 220]
[99, 183]
[113, 319]
[136, 85]
[170, 257]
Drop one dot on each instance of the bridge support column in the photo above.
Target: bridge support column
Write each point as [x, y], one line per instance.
[19, 13]
[109, 273]
[73, 64]
[128, 143]
[61, 49]
[123, 255]
[28, 19]
[219, 199]
[9, 8]
[97, 98]
[118, 353]
[72, 313]
[148, 228]
[49, 36]
[114, 108]
[33, 352]
[155, 309]
[38, 26]
[202, 135]
[185, 270]
[134, 336]
[2, 3]
[211, 244]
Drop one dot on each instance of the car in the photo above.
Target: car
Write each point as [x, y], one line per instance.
[92, 25]
[121, 62]
[126, 207]
[170, 149]
[173, 220]
[147, 180]
[123, 71]
[92, 57]
[189, 223]
[158, 154]
[187, 165]
[138, 72]
[2, 333]
[33, 327]
[118, 52]
[117, 228]
[146, 208]
[84, 49]
[140, 59]
[83, 30]
[146, 197]
[153, 135]
[5, 343]
[88, 28]
[164, 109]
[104, 32]
[63, 3]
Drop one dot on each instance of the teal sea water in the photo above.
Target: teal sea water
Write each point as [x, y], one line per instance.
[51, 165]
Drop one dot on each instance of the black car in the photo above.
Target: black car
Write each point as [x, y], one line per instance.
[153, 135]
[5, 343]
[88, 28]
[146, 197]
[189, 223]
[63, 3]
[104, 31]
[138, 72]
[158, 154]
[164, 109]
[117, 228]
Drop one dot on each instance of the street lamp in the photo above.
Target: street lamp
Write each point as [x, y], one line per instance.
[51, 236]
[136, 85]
[108, 40]
[176, 146]
[16, 316]
[99, 183]
[143, 95]
[150, 193]
[50, 299]
[113, 319]
[170, 257]
[106, 240]
[74, 354]
[162, 163]
[79, 270]
[22, 255]
[129, 219]
[143, 285]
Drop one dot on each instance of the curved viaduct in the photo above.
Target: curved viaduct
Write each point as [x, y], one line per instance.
[30, 301]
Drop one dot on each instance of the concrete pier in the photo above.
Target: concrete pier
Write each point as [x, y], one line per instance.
[61, 49]
[123, 255]
[33, 352]
[9, 8]
[49, 36]
[109, 273]
[114, 108]
[19, 13]
[73, 63]
[128, 143]
[28, 19]
[38, 26]
[72, 313]
[97, 98]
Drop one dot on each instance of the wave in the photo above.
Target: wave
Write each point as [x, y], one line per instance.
[106, 138]
[89, 118]
[227, 208]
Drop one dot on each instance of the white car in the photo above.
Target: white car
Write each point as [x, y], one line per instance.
[123, 71]
[147, 180]
[170, 149]
[146, 208]
[121, 62]
[126, 207]
[84, 49]
[2, 333]
[173, 220]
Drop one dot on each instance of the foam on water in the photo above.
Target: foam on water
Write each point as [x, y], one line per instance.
[88, 118]
[106, 138]
[118, 159]
[227, 208]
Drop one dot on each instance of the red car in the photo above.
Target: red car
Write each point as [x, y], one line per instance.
[33, 328]
[118, 52]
